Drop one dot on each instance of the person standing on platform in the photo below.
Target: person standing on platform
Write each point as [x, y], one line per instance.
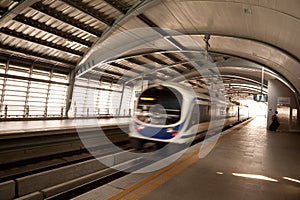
[275, 124]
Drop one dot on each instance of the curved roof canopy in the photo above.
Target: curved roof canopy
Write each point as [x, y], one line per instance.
[242, 38]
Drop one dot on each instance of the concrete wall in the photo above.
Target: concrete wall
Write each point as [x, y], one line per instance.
[277, 89]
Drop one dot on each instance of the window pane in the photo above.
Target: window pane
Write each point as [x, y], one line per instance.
[56, 101]
[43, 75]
[18, 71]
[13, 103]
[14, 110]
[2, 68]
[36, 99]
[36, 112]
[14, 93]
[35, 94]
[14, 113]
[17, 82]
[38, 85]
[15, 88]
[61, 78]
[14, 98]
[56, 92]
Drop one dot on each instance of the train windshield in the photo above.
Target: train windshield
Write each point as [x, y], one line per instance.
[159, 106]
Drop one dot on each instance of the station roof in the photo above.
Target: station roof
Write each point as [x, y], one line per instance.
[241, 37]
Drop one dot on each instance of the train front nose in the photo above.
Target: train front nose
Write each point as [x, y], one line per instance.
[157, 132]
[158, 113]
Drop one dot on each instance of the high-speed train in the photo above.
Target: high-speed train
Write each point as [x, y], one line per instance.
[175, 113]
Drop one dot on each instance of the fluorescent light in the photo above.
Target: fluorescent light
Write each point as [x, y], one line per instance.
[219, 173]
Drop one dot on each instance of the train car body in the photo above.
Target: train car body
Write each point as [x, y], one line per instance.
[174, 113]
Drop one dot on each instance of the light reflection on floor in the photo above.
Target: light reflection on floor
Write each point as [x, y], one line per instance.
[291, 179]
[260, 177]
[255, 176]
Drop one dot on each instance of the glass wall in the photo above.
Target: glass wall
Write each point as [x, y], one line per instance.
[33, 91]
[28, 92]
[96, 98]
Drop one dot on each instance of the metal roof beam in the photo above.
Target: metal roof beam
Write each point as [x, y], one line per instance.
[38, 64]
[36, 54]
[42, 63]
[104, 78]
[3, 11]
[30, 79]
[138, 62]
[124, 67]
[175, 59]
[254, 61]
[9, 15]
[39, 41]
[154, 59]
[83, 7]
[117, 5]
[42, 26]
[161, 62]
[39, 6]
[243, 77]
[111, 72]
[164, 63]
[244, 89]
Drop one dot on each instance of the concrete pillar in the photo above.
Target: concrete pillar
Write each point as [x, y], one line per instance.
[70, 92]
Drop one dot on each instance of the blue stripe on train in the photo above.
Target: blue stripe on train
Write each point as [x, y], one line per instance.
[158, 132]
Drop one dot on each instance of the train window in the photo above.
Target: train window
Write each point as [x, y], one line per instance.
[159, 106]
[204, 113]
[195, 116]
[200, 114]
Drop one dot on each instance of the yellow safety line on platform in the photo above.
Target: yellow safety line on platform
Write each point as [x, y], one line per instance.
[147, 185]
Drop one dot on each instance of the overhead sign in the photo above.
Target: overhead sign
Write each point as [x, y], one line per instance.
[260, 97]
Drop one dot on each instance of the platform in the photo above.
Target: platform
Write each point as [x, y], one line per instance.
[249, 162]
[9, 128]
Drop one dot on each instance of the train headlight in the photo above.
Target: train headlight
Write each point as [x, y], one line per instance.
[139, 128]
[170, 130]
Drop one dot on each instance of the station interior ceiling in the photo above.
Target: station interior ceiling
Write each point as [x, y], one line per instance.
[49, 44]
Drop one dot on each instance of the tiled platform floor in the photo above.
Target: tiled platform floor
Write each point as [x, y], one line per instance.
[251, 150]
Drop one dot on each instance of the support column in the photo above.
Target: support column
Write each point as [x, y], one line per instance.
[48, 93]
[70, 92]
[2, 107]
[121, 100]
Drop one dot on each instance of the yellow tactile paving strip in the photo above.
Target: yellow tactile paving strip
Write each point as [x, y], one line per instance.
[147, 185]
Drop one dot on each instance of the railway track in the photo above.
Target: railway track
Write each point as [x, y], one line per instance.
[41, 166]
[68, 173]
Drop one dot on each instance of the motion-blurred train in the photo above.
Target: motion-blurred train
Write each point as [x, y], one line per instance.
[174, 113]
